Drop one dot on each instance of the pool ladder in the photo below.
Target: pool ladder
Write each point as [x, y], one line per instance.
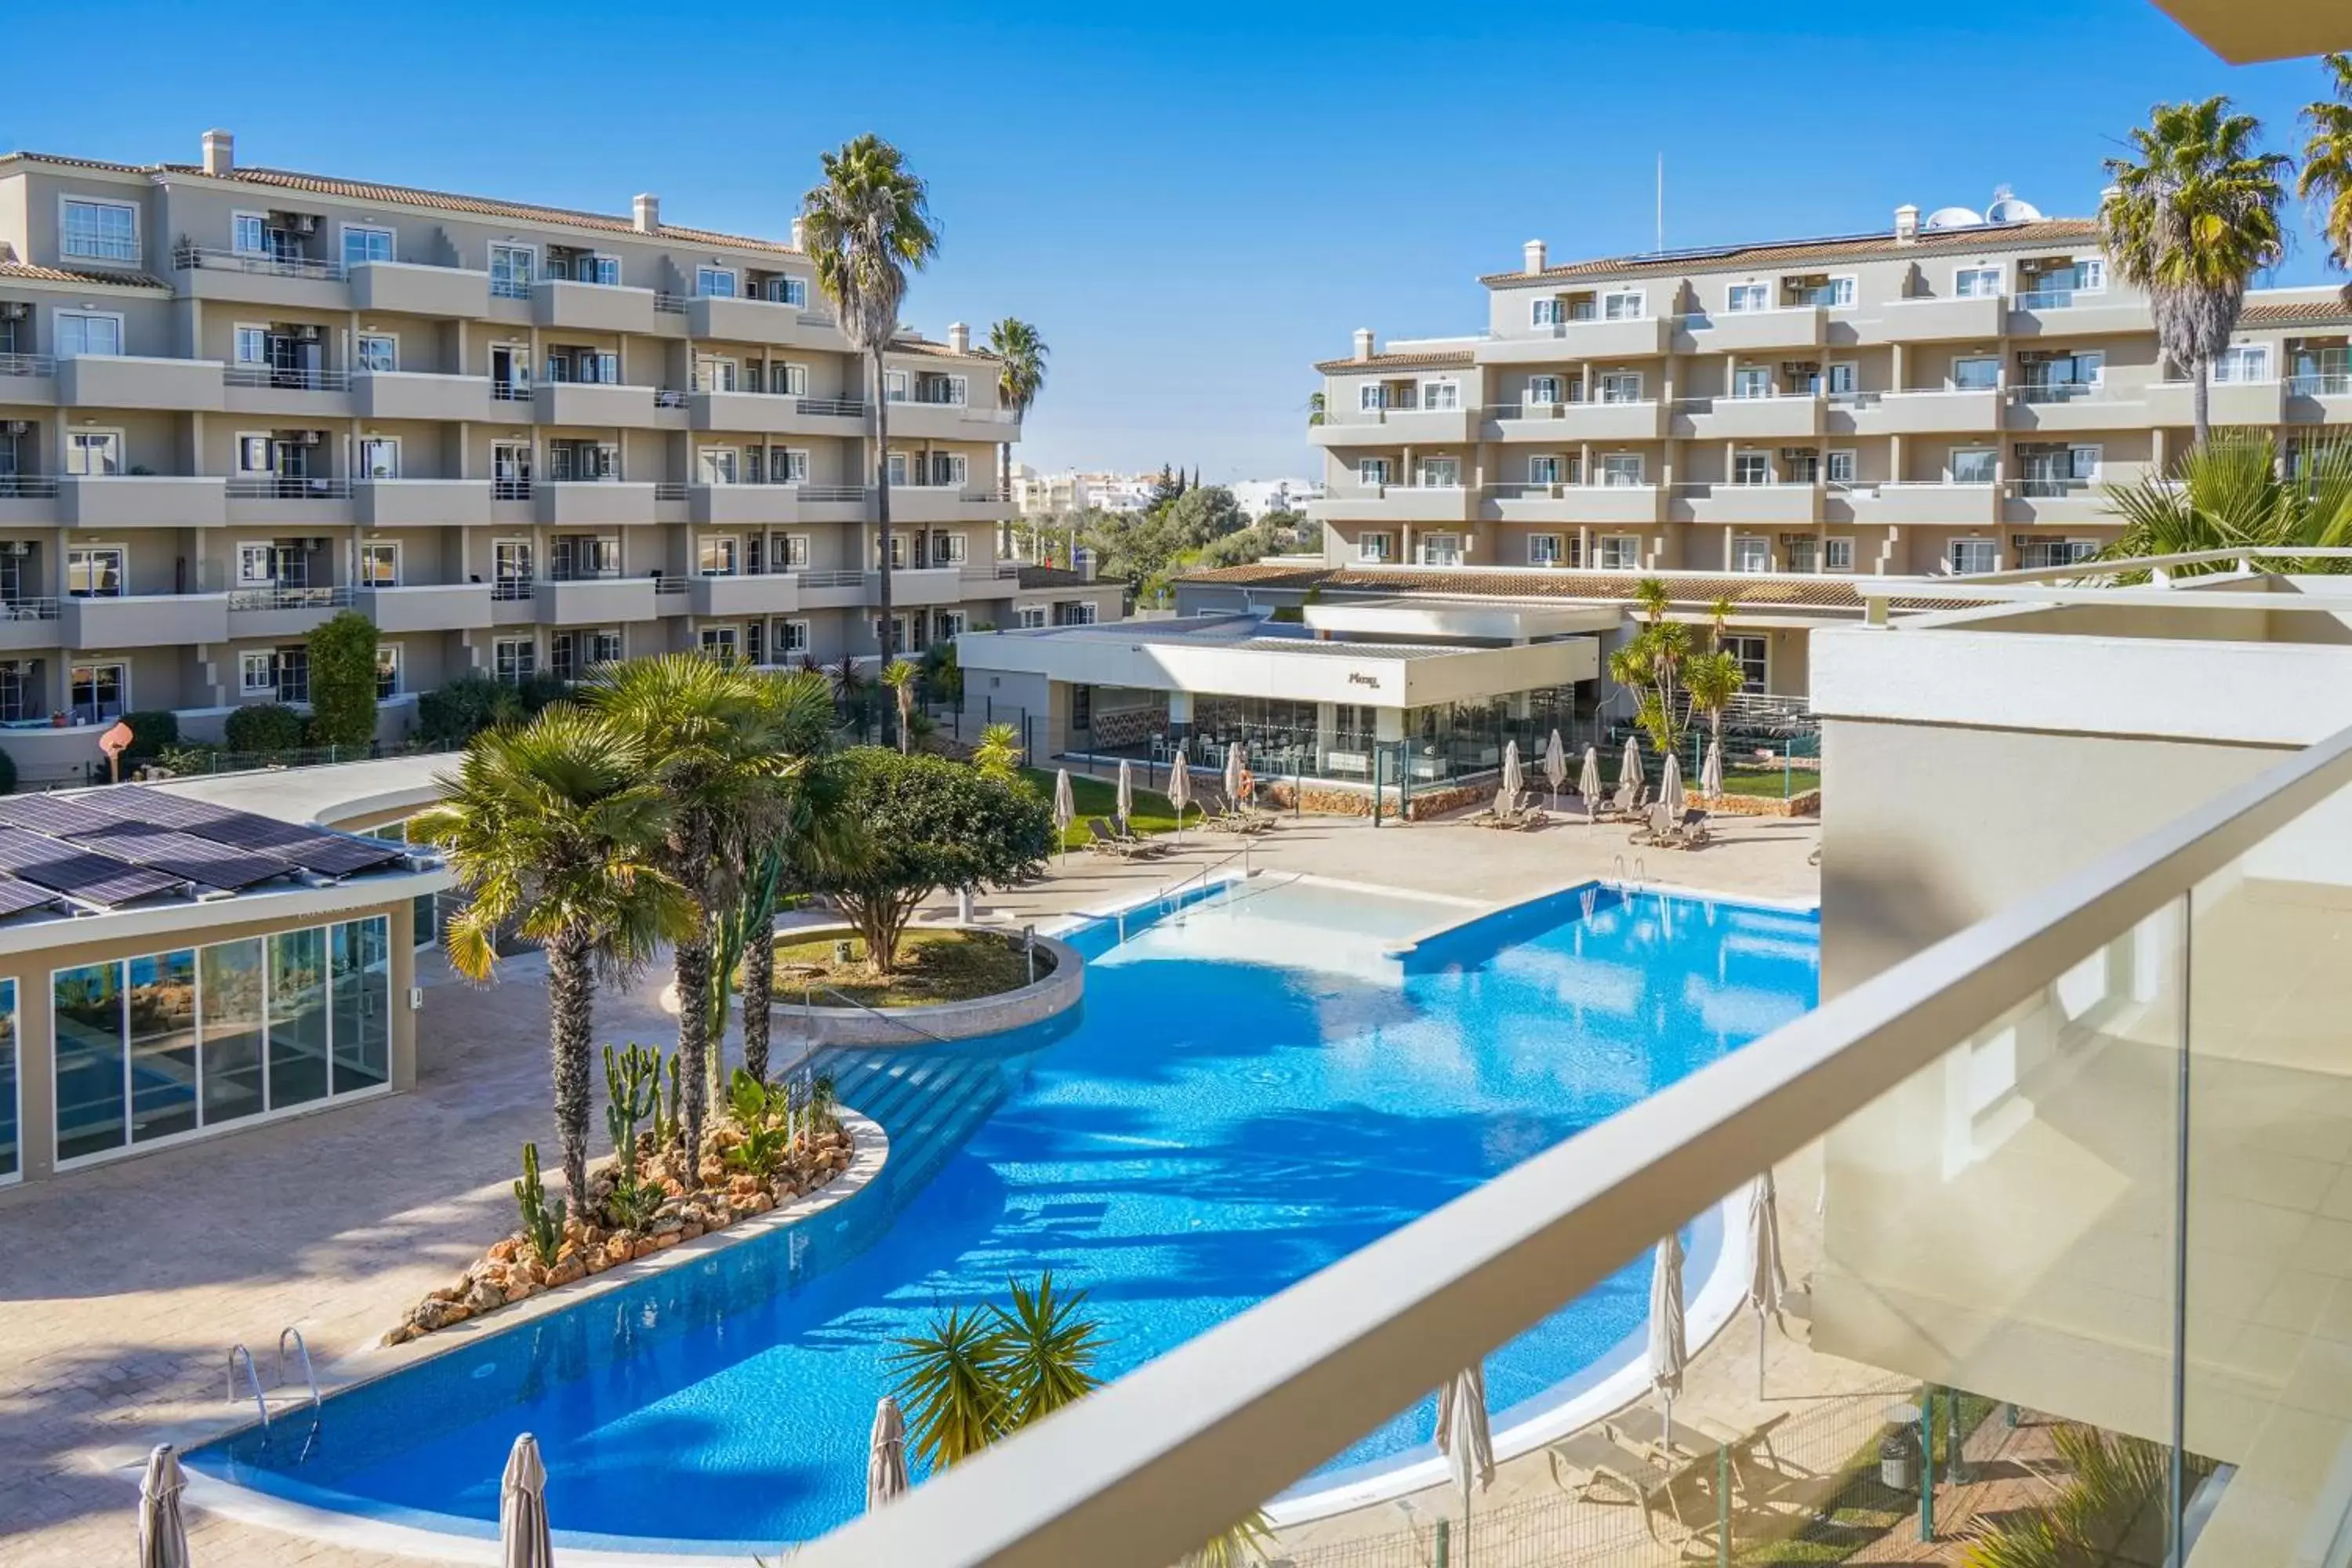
[1641, 873]
[240, 1357]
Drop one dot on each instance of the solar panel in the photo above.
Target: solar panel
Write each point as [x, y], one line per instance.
[184, 855]
[86, 874]
[16, 896]
[60, 817]
[313, 848]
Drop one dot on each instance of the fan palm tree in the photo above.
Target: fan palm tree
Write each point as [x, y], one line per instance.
[2191, 221]
[2230, 496]
[865, 227]
[901, 675]
[2326, 177]
[1713, 679]
[710, 740]
[556, 826]
[1021, 357]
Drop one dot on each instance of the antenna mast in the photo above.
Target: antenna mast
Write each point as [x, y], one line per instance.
[1662, 201]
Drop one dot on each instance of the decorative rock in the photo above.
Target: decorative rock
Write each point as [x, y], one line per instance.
[432, 1315]
[620, 1249]
[567, 1271]
[504, 1251]
[692, 1231]
[645, 1247]
[484, 1296]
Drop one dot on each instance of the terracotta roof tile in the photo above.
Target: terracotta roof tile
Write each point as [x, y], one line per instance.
[935, 350]
[1439, 359]
[2296, 313]
[1685, 589]
[2050, 231]
[31, 273]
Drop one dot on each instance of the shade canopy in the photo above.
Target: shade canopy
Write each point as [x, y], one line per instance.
[1066, 805]
[163, 1535]
[523, 1539]
[1670, 785]
[1514, 777]
[1125, 789]
[1587, 784]
[1180, 781]
[1710, 773]
[1462, 1434]
[1669, 1349]
[886, 1454]
[1555, 762]
[1629, 769]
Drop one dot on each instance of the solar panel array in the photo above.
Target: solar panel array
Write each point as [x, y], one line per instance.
[119, 845]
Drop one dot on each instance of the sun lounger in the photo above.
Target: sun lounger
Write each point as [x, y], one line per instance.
[1641, 1426]
[1103, 841]
[1592, 1466]
[1142, 846]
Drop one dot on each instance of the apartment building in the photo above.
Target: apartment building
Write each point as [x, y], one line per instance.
[1948, 395]
[235, 400]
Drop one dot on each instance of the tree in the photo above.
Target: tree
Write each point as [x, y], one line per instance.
[1164, 490]
[2191, 222]
[1713, 679]
[342, 680]
[1203, 514]
[929, 823]
[901, 675]
[1020, 356]
[554, 827]
[982, 1375]
[867, 227]
[1650, 664]
[708, 736]
[1317, 409]
[998, 755]
[2327, 177]
[2230, 496]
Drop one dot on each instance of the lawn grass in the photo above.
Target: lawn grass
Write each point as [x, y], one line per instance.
[1099, 797]
[1773, 783]
[933, 966]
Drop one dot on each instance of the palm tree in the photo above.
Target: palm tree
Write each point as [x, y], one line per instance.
[865, 227]
[2191, 222]
[900, 676]
[1020, 356]
[710, 739]
[1713, 679]
[556, 822]
[2230, 496]
[2326, 175]
[1316, 407]
[998, 755]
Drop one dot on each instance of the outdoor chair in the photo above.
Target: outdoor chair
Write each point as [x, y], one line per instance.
[1142, 846]
[1657, 830]
[1103, 841]
[1754, 1468]
[1592, 1466]
[1623, 806]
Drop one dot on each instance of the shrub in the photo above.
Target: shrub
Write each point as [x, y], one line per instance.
[342, 680]
[264, 728]
[152, 733]
[456, 714]
[189, 757]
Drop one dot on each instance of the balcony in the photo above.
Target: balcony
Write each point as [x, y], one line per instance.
[776, 414]
[601, 404]
[1395, 503]
[427, 607]
[2068, 313]
[414, 288]
[1575, 505]
[920, 585]
[2073, 405]
[258, 278]
[2228, 402]
[1748, 331]
[272, 393]
[28, 500]
[1380, 426]
[2320, 398]
[282, 501]
[839, 590]
[1781, 416]
[578, 601]
[420, 395]
[592, 502]
[142, 500]
[2068, 502]
[946, 503]
[143, 620]
[1981, 318]
[561, 302]
[283, 611]
[1928, 503]
[1929, 411]
[27, 379]
[1579, 421]
[922, 419]
[739, 321]
[125, 381]
[1638, 337]
[421, 503]
[1760, 506]
[27, 624]
[748, 506]
[769, 593]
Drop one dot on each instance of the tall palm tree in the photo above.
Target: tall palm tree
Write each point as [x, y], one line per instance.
[2230, 496]
[2327, 177]
[555, 825]
[1713, 679]
[709, 740]
[900, 676]
[2191, 221]
[865, 227]
[1020, 356]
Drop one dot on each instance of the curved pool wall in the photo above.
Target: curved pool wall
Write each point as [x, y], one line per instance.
[1253, 1088]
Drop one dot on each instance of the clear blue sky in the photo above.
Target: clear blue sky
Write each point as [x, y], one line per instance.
[1191, 203]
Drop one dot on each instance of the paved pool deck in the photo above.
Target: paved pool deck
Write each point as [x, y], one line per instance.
[124, 1286]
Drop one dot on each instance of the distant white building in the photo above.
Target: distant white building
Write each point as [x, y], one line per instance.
[1052, 495]
[1258, 497]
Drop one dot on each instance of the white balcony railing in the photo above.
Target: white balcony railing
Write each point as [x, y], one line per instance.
[285, 379]
[27, 486]
[2327, 383]
[27, 365]
[288, 486]
[187, 258]
[280, 596]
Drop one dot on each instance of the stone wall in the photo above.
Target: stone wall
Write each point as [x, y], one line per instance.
[1805, 802]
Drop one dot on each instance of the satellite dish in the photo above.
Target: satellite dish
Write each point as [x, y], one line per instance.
[2007, 208]
[1953, 217]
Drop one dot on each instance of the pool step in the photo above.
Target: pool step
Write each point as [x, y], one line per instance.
[948, 1125]
[929, 1103]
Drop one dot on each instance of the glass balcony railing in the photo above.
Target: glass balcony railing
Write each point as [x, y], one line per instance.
[2058, 1202]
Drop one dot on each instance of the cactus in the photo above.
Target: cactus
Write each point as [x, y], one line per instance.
[633, 1093]
[821, 1103]
[669, 1110]
[542, 1222]
[762, 1148]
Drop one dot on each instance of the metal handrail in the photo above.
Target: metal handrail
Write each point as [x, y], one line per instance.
[27, 365]
[834, 407]
[289, 487]
[310, 1376]
[322, 598]
[516, 289]
[27, 486]
[511, 392]
[669, 490]
[670, 584]
[668, 397]
[1173, 1451]
[187, 258]
[252, 1380]
[1240, 854]
[809, 991]
[833, 579]
[285, 379]
[833, 492]
[511, 588]
[669, 304]
[31, 609]
[2321, 383]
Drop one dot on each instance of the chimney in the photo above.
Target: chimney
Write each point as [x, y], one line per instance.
[646, 213]
[800, 233]
[1363, 342]
[1535, 255]
[220, 151]
[959, 339]
[1906, 224]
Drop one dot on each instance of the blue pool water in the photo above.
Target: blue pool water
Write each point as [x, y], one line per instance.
[1251, 1089]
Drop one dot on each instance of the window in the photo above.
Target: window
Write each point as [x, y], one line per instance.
[1621, 469]
[894, 466]
[258, 672]
[789, 291]
[714, 375]
[1440, 473]
[1372, 472]
[2043, 553]
[255, 454]
[1976, 373]
[1622, 305]
[1544, 550]
[1441, 395]
[100, 231]
[1973, 465]
[796, 551]
[1372, 397]
[604, 647]
[1840, 468]
[590, 268]
[947, 625]
[955, 389]
[257, 565]
[1843, 380]
[512, 268]
[1971, 555]
[1440, 550]
[1803, 551]
[1753, 654]
[1751, 553]
[248, 234]
[792, 467]
[361, 246]
[1751, 469]
[1976, 283]
[1838, 295]
[1547, 312]
[101, 692]
[1837, 555]
[950, 469]
[1081, 613]
[950, 550]
[93, 451]
[86, 333]
[94, 572]
[898, 552]
[378, 351]
[715, 282]
[1375, 547]
[792, 636]
[894, 386]
[1742, 297]
[1618, 552]
[380, 565]
[250, 345]
[1751, 381]
[1028, 615]
[2051, 376]
[514, 660]
[1543, 470]
[792, 379]
[1543, 389]
[2090, 274]
[379, 457]
[2243, 362]
[1621, 386]
[723, 643]
[715, 465]
[898, 636]
[720, 556]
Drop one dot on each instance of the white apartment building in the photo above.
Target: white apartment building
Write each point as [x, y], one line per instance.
[1950, 394]
[1258, 497]
[234, 401]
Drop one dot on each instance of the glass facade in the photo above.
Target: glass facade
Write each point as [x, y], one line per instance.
[169, 1043]
[12, 1162]
[1336, 741]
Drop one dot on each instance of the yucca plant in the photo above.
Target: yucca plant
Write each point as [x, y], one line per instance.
[1046, 1350]
[2230, 495]
[951, 1387]
[2115, 1481]
[998, 755]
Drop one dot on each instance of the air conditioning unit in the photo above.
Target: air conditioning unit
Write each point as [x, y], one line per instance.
[18, 427]
[15, 310]
[308, 334]
[16, 547]
[309, 438]
[306, 223]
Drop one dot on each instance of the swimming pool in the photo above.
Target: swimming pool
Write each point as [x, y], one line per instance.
[1255, 1084]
